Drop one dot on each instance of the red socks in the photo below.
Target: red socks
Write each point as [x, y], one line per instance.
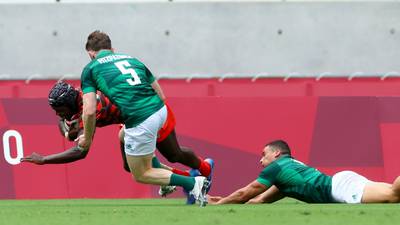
[180, 172]
[204, 168]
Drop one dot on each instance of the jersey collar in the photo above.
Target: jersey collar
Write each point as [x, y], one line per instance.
[103, 53]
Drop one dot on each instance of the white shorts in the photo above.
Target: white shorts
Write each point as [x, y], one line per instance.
[348, 187]
[141, 139]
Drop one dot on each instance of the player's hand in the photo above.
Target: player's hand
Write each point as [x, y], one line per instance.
[83, 142]
[34, 158]
[74, 130]
[213, 199]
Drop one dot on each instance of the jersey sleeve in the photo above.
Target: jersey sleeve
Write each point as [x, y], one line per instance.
[269, 174]
[87, 82]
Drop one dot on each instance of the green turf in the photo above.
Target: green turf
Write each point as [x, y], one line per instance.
[173, 211]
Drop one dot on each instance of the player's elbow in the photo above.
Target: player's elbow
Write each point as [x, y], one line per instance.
[81, 154]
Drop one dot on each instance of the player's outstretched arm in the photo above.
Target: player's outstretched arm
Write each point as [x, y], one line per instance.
[70, 155]
[244, 194]
[269, 196]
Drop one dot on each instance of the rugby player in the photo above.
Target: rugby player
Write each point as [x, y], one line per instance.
[283, 176]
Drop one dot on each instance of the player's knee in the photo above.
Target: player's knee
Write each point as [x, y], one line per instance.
[142, 178]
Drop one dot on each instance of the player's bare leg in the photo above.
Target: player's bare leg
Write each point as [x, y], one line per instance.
[173, 152]
[122, 148]
[124, 161]
[143, 172]
[155, 162]
[380, 192]
[396, 186]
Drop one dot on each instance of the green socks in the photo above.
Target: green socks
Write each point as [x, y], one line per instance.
[155, 162]
[176, 180]
[186, 182]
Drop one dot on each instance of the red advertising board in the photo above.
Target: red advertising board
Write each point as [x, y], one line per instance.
[333, 125]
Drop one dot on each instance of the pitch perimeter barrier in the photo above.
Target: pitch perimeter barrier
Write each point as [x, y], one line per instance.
[332, 124]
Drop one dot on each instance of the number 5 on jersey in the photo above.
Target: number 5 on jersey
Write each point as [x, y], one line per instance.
[126, 68]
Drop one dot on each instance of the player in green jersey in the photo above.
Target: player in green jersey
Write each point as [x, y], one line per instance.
[283, 176]
[130, 85]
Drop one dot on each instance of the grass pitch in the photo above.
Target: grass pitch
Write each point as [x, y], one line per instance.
[173, 211]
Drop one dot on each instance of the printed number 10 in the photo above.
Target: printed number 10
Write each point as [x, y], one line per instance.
[126, 68]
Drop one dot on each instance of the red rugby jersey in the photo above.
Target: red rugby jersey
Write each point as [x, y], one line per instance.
[106, 113]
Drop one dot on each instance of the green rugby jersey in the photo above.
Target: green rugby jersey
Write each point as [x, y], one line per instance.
[296, 180]
[126, 82]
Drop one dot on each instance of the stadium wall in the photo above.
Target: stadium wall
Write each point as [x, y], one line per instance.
[332, 124]
[46, 41]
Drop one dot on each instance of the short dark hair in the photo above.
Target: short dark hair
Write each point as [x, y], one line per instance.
[63, 94]
[281, 146]
[98, 40]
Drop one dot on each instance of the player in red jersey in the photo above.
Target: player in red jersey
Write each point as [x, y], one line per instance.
[67, 103]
